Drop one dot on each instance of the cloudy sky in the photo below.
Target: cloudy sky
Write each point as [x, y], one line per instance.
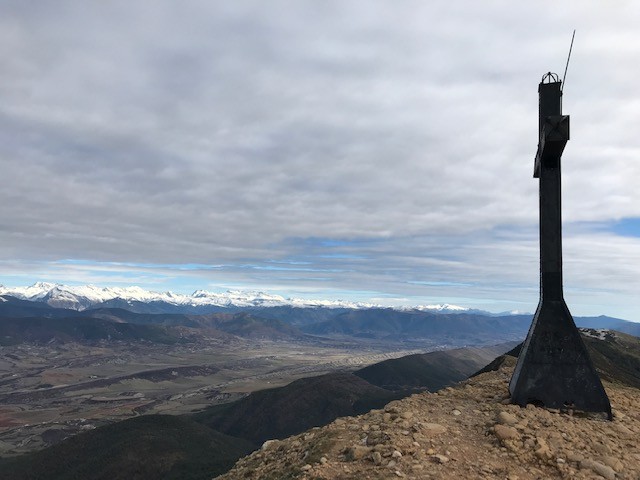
[363, 150]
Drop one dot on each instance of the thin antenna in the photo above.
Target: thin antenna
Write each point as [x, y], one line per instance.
[568, 58]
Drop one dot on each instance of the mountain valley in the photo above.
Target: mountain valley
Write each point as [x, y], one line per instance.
[252, 374]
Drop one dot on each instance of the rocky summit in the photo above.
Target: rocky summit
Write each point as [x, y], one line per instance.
[469, 431]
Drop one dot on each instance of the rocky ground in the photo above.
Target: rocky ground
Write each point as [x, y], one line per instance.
[467, 432]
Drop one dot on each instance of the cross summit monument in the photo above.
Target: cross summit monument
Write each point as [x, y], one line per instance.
[554, 369]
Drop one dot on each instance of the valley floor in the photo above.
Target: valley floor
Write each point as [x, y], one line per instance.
[50, 392]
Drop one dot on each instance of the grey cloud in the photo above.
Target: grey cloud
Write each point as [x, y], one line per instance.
[214, 132]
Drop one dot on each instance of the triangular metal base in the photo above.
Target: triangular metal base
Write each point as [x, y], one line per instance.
[554, 369]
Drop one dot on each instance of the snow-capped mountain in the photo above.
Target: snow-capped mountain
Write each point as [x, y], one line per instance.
[87, 296]
[80, 297]
[445, 307]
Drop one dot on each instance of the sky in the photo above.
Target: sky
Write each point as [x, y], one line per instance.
[365, 150]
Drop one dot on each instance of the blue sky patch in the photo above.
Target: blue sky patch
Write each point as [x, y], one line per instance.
[627, 227]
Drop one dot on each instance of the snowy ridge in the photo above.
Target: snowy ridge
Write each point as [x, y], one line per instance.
[81, 297]
[441, 308]
[597, 333]
[86, 296]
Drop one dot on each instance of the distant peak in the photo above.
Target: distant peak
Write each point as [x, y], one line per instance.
[444, 307]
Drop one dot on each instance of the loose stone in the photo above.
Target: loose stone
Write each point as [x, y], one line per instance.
[597, 467]
[440, 458]
[506, 418]
[505, 433]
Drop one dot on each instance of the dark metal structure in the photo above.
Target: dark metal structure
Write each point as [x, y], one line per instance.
[554, 369]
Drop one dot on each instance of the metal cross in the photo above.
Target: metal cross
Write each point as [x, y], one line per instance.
[554, 369]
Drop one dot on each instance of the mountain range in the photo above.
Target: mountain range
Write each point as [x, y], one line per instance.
[200, 301]
[206, 443]
[436, 328]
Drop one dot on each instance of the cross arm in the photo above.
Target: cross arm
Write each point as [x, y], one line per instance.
[553, 138]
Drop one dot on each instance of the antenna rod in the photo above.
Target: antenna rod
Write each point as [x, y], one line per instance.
[568, 58]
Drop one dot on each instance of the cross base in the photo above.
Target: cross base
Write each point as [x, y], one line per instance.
[554, 369]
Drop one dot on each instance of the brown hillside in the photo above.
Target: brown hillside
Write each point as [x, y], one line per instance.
[466, 432]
